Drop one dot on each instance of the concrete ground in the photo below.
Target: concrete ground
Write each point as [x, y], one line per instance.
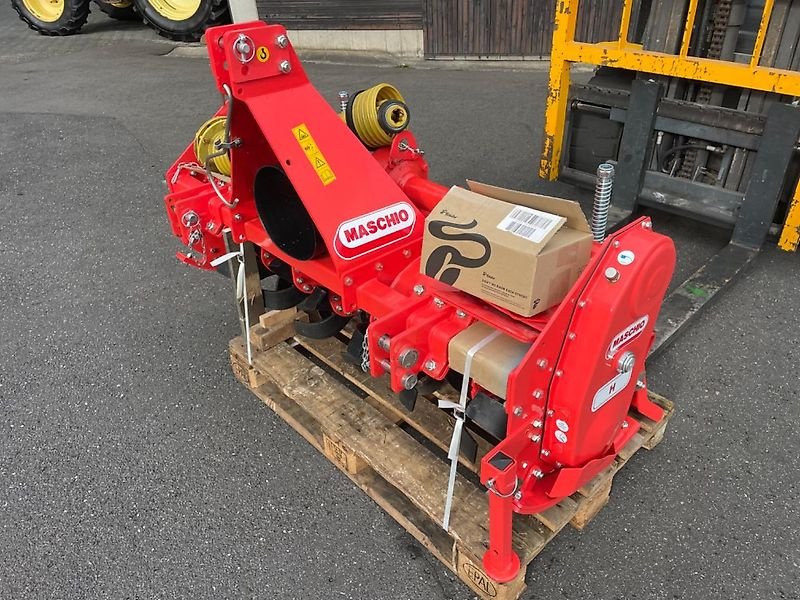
[133, 465]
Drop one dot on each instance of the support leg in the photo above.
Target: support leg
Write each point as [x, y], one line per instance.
[500, 560]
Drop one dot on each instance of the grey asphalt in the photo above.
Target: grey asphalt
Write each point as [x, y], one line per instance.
[133, 465]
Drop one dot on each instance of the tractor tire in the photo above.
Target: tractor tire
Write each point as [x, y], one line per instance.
[122, 10]
[56, 17]
[182, 20]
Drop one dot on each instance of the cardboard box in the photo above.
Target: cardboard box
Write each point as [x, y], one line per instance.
[517, 250]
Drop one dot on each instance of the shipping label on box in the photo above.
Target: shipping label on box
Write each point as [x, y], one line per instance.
[519, 251]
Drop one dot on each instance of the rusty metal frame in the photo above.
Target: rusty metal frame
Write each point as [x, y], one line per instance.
[626, 55]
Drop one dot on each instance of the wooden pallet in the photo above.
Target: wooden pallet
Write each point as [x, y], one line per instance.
[399, 457]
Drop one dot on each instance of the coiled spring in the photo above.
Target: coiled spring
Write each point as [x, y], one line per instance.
[602, 201]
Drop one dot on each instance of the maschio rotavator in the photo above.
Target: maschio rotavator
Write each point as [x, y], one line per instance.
[336, 203]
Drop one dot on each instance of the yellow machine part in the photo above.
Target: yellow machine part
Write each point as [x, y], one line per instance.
[378, 114]
[206, 141]
[622, 54]
[48, 11]
[176, 10]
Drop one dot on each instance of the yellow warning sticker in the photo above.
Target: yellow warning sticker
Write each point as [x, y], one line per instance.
[313, 154]
[262, 54]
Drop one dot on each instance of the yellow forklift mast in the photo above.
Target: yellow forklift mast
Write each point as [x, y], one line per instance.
[696, 105]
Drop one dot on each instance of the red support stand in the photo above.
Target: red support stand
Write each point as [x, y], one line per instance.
[500, 560]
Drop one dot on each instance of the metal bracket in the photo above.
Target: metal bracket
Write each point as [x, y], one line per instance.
[636, 145]
[769, 172]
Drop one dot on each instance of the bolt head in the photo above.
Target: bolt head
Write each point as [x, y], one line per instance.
[430, 365]
[571, 336]
[647, 224]
[237, 217]
[407, 253]
[545, 452]
[348, 281]
[285, 66]
[537, 473]
[537, 423]
[461, 314]
[385, 342]
[582, 304]
[626, 362]
[409, 381]
[550, 413]
[438, 302]
[538, 394]
[624, 424]
[408, 358]
[518, 495]
[541, 363]
[616, 244]
[518, 411]
[536, 438]
[300, 280]
[379, 266]
[612, 274]
[282, 41]
[190, 219]
[419, 289]
[338, 308]
[559, 373]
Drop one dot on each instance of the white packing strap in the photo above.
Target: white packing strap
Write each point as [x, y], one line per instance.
[225, 257]
[458, 412]
[241, 292]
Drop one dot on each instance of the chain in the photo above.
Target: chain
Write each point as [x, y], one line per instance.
[365, 353]
[195, 237]
[490, 485]
[716, 38]
[185, 165]
[404, 145]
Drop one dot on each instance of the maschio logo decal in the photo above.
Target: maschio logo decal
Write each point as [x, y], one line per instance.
[374, 230]
[630, 333]
[479, 579]
[440, 262]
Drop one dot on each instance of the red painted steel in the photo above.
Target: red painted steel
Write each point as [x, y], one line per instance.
[568, 399]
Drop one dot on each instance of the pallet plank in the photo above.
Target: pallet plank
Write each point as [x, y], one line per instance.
[361, 436]
[434, 424]
[391, 452]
